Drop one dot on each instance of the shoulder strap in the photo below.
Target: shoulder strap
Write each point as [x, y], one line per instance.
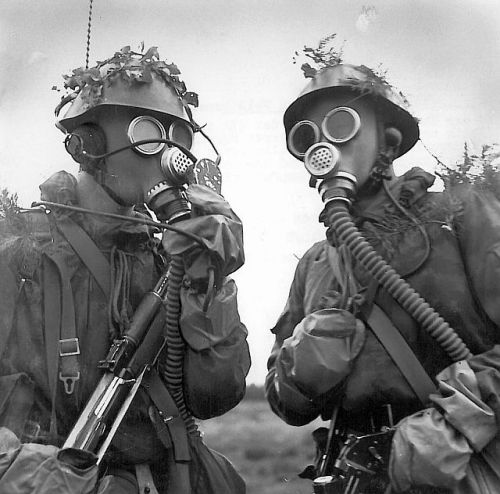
[52, 314]
[401, 354]
[88, 252]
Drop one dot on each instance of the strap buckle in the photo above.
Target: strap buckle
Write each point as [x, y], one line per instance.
[69, 382]
[68, 347]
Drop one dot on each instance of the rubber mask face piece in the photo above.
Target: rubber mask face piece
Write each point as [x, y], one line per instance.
[342, 136]
[132, 172]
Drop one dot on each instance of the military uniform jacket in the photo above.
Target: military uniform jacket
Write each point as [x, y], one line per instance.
[35, 402]
[458, 277]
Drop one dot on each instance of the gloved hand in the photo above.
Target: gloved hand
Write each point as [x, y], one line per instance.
[220, 229]
[320, 353]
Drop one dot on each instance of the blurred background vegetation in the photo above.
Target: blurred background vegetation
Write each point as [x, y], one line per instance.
[267, 452]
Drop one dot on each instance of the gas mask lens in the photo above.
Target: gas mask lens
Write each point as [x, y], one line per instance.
[341, 124]
[146, 127]
[181, 133]
[302, 136]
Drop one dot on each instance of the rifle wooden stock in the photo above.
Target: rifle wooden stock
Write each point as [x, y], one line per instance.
[127, 361]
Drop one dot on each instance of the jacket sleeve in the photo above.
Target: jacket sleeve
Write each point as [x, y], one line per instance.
[285, 399]
[315, 345]
[439, 446]
[217, 357]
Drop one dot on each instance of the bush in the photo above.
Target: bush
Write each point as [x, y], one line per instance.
[255, 392]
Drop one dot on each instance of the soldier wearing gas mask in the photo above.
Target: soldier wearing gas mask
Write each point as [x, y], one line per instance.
[73, 277]
[413, 397]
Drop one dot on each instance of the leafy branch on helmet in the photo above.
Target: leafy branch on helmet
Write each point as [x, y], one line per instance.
[326, 55]
[129, 66]
[376, 83]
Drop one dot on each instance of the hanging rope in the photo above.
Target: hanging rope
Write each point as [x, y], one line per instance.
[88, 35]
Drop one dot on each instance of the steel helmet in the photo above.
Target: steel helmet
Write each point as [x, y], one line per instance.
[131, 80]
[392, 104]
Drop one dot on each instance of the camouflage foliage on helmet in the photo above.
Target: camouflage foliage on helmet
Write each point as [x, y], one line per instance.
[327, 55]
[327, 73]
[130, 67]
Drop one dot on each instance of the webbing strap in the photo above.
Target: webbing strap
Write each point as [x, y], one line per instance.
[401, 353]
[170, 415]
[87, 251]
[60, 325]
[145, 479]
[178, 447]
[52, 313]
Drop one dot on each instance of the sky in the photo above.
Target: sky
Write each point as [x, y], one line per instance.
[238, 56]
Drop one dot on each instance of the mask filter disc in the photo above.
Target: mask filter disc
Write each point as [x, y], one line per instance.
[176, 165]
[321, 159]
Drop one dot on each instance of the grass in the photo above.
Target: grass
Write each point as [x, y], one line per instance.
[267, 452]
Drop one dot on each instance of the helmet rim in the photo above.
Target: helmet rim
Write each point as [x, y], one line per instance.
[156, 97]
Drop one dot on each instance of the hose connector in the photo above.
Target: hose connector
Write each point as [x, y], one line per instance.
[342, 186]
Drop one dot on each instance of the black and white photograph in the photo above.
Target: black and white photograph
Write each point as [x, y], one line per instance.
[249, 247]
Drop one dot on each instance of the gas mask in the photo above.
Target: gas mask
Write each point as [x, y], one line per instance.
[347, 125]
[339, 138]
[130, 125]
[149, 161]
[165, 197]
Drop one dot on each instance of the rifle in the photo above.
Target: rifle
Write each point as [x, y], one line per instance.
[128, 360]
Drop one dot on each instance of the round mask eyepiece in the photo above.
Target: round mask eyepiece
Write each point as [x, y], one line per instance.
[146, 127]
[74, 146]
[301, 137]
[341, 124]
[181, 133]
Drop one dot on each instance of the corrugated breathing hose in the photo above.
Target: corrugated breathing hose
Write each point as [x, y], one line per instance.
[339, 219]
[173, 367]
